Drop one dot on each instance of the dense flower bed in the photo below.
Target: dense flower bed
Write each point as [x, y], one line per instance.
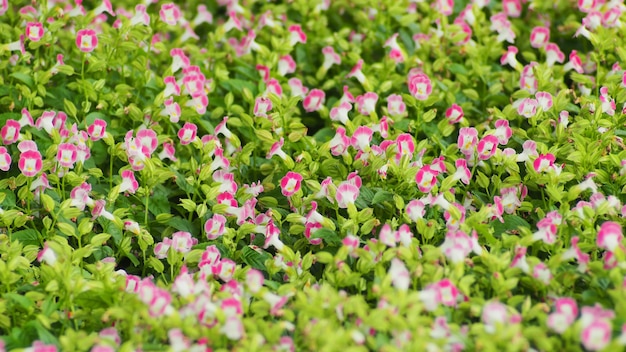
[312, 175]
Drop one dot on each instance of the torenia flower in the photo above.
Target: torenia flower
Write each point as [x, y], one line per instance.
[10, 132]
[468, 138]
[544, 162]
[597, 335]
[67, 154]
[129, 183]
[170, 14]
[5, 159]
[47, 255]
[215, 226]
[347, 193]
[400, 275]
[487, 147]
[30, 163]
[539, 37]
[187, 133]
[420, 85]
[610, 235]
[34, 31]
[454, 114]
[86, 40]
[426, 178]
[97, 129]
[291, 183]
[314, 101]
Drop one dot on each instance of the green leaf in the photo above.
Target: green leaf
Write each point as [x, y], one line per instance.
[511, 222]
[27, 237]
[254, 258]
[382, 196]
[329, 236]
[181, 224]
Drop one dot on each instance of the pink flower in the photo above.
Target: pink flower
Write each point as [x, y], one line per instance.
[395, 105]
[426, 179]
[405, 146]
[512, 8]
[494, 314]
[47, 255]
[97, 129]
[447, 293]
[5, 159]
[544, 162]
[361, 138]
[67, 154]
[330, 58]
[339, 144]
[366, 103]
[400, 275]
[487, 147]
[610, 236]
[262, 105]
[574, 63]
[30, 163]
[597, 335]
[396, 53]
[347, 193]
[340, 113]
[539, 37]
[544, 99]
[420, 85]
[314, 101]
[528, 107]
[129, 183]
[182, 242]
[509, 57]
[586, 5]
[187, 133]
[503, 131]
[34, 31]
[86, 40]
[172, 109]
[542, 273]
[462, 171]
[215, 226]
[297, 35]
[468, 138]
[10, 132]
[170, 14]
[286, 65]
[415, 209]
[553, 54]
[454, 114]
[290, 183]
[357, 72]
[444, 7]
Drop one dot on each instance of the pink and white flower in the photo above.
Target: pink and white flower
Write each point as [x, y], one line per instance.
[539, 37]
[86, 40]
[30, 163]
[400, 275]
[215, 226]
[347, 193]
[314, 100]
[544, 162]
[610, 236]
[187, 133]
[487, 147]
[170, 13]
[420, 85]
[5, 159]
[34, 31]
[426, 179]
[290, 183]
[67, 154]
[10, 132]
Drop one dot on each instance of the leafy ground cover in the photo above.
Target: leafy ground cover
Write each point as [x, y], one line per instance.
[312, 175]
